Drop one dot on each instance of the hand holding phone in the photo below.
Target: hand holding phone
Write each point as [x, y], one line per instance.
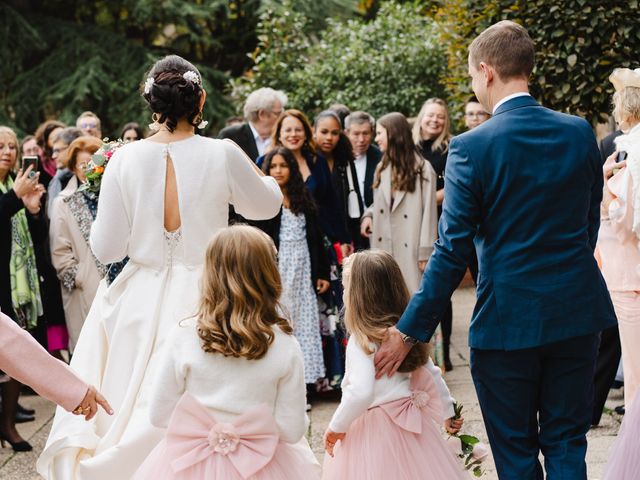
[30, 160]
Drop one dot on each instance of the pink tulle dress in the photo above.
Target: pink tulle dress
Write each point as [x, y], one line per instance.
[198, 447]
[624, 461]
[398, 440]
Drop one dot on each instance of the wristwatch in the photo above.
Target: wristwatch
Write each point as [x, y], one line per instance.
[408, 339]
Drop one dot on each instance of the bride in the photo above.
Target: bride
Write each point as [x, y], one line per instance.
[161, 201]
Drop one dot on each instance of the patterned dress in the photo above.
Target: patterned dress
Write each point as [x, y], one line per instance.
[298, 296]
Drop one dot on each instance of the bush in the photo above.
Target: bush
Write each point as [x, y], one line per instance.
[578, 44]
[392, 63]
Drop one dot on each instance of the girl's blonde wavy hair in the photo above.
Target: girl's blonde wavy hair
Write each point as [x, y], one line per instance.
[241, 288]
[376, 295]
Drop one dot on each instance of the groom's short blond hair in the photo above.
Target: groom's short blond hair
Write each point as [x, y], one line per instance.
[507, 47]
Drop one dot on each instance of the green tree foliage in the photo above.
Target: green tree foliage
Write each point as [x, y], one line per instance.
[392, 63]
[578, 44]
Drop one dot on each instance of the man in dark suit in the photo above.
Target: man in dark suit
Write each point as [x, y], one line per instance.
[527, 184]
[359, 127]
[261, 109]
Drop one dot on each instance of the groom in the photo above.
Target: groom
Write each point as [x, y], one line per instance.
[527, 185]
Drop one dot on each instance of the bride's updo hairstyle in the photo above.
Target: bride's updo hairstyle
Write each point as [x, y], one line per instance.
[241, 288]
[171, 95]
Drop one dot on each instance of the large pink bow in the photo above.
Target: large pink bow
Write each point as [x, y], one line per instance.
[193, 436]
[408, 412]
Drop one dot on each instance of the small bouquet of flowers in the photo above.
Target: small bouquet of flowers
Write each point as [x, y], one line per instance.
[96, 166]
[471, 450]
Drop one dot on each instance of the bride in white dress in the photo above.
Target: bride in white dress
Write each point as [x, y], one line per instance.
[161, 201]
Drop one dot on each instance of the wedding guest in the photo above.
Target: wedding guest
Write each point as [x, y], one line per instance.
[335, 147]
[293, 131]
[474, 113]
[45, 136]
[73, 213]
[432, 133]
[237, 339]
[261, 110]
[620, 228]
[60, 145]
[22, 224]
[403, 218]
[90, 124]
[525, 187]
[302, 259]
[342, 111]
[22, 358]
[131, 132]
[360, 127]
[381, 421]
[30, 146]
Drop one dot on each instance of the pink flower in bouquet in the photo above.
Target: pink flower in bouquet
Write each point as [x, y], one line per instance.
[455, 445]
[480, 452]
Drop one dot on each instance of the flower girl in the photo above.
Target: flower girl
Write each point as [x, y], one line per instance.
[386, 428]
[232, 393]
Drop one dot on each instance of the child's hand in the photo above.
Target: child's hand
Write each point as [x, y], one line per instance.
[330, 439]
[453, 425]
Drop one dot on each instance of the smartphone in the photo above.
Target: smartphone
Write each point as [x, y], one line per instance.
[621, 156]
[30, 160]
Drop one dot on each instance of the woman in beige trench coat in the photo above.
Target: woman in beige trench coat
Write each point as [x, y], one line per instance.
[72, 215]
[403, 217]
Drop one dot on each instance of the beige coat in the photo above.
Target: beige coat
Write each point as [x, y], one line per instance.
[78, 270]
[409, 230]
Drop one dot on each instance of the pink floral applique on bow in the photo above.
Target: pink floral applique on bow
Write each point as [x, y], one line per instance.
[420, 398]
[223, 438]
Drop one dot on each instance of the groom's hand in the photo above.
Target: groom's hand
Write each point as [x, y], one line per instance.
[391, 353]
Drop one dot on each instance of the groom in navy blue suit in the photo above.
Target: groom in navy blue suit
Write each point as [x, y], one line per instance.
[525, 187]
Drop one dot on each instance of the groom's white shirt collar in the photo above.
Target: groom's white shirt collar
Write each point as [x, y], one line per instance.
[507, 98]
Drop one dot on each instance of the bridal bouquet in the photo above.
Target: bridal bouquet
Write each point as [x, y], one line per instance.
[471, 450]
[99, 160]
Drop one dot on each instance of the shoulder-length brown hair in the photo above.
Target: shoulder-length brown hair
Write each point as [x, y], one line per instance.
[241, 288]
[376, 295]
[401, 154]
[309, 145]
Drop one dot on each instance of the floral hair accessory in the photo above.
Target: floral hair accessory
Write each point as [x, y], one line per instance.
[148, 84]
[192, 76]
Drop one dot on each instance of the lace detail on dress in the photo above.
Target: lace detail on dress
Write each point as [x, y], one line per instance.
[173, 240]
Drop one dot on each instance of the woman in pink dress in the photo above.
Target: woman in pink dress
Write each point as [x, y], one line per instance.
[618, 242]
[387, 428]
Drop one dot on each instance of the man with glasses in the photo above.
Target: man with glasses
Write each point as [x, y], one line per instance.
[261, 111]
[61, 143]
[89, 123]
[474, 113]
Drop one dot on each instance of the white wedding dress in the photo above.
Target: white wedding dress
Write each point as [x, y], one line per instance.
[119, 346]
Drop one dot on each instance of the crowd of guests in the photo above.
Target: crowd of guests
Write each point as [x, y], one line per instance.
[48, 274]
[349, 183]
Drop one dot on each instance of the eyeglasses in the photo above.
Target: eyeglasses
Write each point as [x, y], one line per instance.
[477, 115]
[59, 150]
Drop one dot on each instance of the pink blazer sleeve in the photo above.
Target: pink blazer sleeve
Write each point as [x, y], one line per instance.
[22, 358]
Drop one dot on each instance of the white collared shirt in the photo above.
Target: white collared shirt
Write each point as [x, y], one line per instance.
[509, 97]
[262, 144]
[361, 171]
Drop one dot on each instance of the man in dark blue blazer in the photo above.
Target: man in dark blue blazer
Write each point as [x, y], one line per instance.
[527, 184]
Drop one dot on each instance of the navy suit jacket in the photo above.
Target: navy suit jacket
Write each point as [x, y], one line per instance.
[527, 184]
